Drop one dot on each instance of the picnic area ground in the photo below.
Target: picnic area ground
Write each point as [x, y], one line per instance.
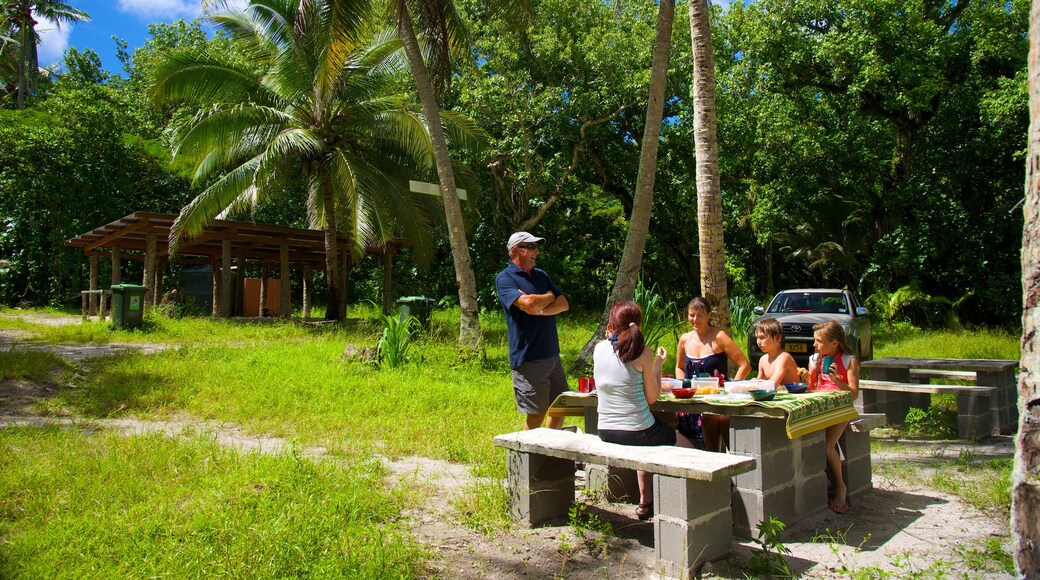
[904, 528]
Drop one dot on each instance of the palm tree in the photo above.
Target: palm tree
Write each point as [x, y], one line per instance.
[642, 204]
[709, 190]
[440, 25]
[8, 57]
[20, 13]
[307, 102]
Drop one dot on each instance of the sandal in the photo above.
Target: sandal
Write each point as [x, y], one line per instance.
[645, 511]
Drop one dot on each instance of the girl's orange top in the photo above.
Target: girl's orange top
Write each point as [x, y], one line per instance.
[820, 381]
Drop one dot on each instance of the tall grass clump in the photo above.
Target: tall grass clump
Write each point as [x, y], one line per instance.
[742, 313]
[79, 506]
[658, 320]
[395, 344]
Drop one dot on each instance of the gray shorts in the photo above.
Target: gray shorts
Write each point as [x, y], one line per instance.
[537, 383]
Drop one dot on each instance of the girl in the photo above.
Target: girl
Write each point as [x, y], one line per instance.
[628, 381]
[707, 350]
[842, 374]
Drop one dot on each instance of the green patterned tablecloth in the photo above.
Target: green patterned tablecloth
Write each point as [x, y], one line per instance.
[803, 413]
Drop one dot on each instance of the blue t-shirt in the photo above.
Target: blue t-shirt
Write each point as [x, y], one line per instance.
[530, 337]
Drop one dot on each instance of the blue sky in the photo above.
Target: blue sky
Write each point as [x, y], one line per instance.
[127, 19]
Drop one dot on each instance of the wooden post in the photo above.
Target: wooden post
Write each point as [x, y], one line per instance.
[388, 268]
[159, 281]
[240, 284]
[93, 301]
[307, 287]
[263, 291]
[284, 275]
[215, 309]
[227, 287]
[149, 270]
[117, 267]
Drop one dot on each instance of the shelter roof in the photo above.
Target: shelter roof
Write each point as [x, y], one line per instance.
[259, 242]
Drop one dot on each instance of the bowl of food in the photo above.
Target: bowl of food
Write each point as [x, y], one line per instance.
[682, 393]
[796, 388]
[762, 394]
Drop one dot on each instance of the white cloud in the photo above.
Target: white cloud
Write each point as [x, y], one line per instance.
[165, 10]
[53, 40]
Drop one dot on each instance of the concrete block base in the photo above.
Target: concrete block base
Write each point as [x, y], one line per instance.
[541, 488]
[618, 485]
[692, 525]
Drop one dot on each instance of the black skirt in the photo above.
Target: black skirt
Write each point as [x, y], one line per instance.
[656, 434]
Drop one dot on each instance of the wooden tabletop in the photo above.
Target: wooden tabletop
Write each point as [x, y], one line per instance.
[944, 364]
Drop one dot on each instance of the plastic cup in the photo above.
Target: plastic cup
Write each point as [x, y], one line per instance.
[584, 385]
[827, 362]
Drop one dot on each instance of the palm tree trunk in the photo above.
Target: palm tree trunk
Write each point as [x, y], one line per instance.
[1025, 486]
[27, 32]
[709, 191]
[334, 310]
[469, 328]
[642, 205]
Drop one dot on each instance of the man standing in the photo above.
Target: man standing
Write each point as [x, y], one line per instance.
[531, 302]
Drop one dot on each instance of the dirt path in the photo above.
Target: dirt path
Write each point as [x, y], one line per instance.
[902, 527]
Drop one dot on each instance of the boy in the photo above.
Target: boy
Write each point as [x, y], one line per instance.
[776, 364]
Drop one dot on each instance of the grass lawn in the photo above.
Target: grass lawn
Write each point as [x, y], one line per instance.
[75, 504]
[92, 506]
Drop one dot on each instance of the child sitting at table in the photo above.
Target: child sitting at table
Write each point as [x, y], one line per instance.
[841, 374]
[628, 381]
[776, 364]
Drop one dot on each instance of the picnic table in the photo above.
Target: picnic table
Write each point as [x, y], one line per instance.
[784, 436]
[998, 412]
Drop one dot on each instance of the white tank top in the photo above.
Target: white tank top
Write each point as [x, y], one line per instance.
[622, 401]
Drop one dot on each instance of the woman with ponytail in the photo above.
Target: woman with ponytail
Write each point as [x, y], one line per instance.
[628, 381]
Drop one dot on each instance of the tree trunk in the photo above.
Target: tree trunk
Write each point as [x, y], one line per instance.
[333, 310]
[1025, 477]
[709, 191]
[27, 32]
[639, 223]
[469, 328]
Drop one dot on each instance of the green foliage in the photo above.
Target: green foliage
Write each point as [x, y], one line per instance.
[29, 365]
[658, 318]
[395, 344]
[933, 422]
[742, 313]
[79, 505]
[595, 533]
[67, 168]
[770, 557]
[992, 556]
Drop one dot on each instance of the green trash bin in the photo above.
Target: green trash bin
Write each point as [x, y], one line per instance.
[127, 305]
[418, 306]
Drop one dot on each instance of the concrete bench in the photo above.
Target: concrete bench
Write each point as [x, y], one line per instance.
[974, 412]
[693, 520]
